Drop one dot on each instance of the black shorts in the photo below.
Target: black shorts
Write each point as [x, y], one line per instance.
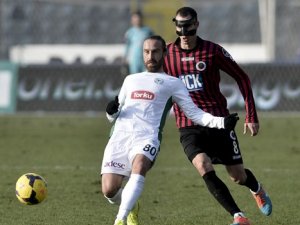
[220, 145]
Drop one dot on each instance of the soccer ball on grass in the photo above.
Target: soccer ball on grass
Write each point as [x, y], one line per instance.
[31, 189]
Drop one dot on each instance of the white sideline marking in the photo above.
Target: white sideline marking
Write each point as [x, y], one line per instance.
[56, 167]
[91, 168]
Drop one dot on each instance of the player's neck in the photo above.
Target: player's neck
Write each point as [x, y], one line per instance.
[160, 70]
[188, 45]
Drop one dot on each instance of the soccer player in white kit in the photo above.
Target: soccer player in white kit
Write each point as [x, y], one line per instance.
[139, 113]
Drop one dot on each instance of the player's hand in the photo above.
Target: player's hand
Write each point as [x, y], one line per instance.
[252, 127]
[113, 106]
[230, 121]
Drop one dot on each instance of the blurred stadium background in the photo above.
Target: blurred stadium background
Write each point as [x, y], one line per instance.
[65, 55]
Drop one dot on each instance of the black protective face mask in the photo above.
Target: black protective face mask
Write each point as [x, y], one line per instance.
[184, 25]
[185, 32]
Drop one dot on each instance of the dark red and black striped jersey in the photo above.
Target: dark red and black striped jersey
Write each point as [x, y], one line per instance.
[199, 69]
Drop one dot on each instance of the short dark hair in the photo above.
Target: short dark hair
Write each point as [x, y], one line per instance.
[187, 11]
[158, 38]
[138, 13]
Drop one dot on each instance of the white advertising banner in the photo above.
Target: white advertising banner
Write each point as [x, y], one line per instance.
[7, 87]
[5, 84]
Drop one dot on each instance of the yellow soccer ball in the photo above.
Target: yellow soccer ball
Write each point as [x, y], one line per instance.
[31, 189]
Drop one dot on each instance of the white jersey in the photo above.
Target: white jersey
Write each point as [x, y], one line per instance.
[145, 99]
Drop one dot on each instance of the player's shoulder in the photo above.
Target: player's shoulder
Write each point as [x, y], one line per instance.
[169, 44]
[160, 78]
[210, 43]
[218, 48]
[168, 78]
[134, 75]
[161, 75]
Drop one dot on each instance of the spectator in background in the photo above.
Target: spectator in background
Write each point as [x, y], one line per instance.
[134, 38]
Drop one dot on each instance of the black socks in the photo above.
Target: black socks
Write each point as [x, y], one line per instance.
[220, 191]
[251, 181]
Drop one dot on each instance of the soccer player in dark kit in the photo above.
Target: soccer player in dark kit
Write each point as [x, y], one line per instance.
[197, 63]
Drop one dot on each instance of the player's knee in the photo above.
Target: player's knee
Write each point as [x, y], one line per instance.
[237, 174]
[202, 164]
[204, 167]
[141, 165]
[113, 195]
[109, 191]
[239, 178]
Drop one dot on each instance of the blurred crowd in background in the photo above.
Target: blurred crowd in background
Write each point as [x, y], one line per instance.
[69, 55]
[96, 22]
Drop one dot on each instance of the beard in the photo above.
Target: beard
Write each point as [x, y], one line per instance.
[154, 66]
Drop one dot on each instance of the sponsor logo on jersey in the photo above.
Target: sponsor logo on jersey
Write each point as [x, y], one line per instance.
[114, 164]
[232, 135]
[201, 66]
[184, 59]
[146, 95]
[226, 54]
[192, 82]
[158, 81]
[236, 157]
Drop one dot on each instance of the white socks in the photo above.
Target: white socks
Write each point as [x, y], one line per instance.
[131, 192]
[116, 199]
[238, 214]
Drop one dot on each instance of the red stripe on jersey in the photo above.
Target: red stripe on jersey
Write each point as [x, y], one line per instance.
[200, 70]
[213, 83]
[243, 81]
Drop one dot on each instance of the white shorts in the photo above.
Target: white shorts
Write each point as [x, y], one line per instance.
[123, 146]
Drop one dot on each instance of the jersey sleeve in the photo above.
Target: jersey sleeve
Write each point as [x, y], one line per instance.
[122, 93]
[227, 64]
[181, 96]
[121, 97]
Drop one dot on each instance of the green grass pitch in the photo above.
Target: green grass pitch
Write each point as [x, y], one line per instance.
[67, 151]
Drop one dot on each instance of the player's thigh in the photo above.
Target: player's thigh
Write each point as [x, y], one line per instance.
[193, 142]
[115, 158]
[224, 147]
[141, 164]
[202, 163]
[145, 144]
